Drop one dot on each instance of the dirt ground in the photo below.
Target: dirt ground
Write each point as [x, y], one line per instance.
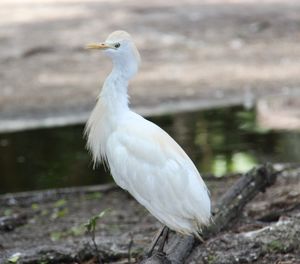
[46, 227]
[195, 54]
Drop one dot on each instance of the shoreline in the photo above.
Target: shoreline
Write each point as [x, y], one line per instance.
[68, 118]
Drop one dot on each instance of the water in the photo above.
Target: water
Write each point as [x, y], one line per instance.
[219, 141]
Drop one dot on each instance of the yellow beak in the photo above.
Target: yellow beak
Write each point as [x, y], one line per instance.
[101, 46]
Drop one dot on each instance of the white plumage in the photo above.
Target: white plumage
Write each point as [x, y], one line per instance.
[144, 159]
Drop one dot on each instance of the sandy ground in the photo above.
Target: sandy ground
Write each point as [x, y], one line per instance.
[195, 54]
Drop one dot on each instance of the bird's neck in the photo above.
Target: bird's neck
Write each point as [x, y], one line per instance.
[114, 92]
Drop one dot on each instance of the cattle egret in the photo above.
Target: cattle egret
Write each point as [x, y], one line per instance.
[143, 158]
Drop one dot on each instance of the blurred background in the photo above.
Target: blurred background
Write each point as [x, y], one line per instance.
[221, 76]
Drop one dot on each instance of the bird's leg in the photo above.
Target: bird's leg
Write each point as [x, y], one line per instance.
[155, 240]
[164, 238]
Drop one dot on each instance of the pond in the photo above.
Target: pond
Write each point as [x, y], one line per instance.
[219, 141]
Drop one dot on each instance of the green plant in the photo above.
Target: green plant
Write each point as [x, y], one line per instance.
[14, 258]
[90, 227]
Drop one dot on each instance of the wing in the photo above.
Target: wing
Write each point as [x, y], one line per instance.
[148, 163]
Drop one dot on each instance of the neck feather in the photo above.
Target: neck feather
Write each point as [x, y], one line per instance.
[112, 103]
[114, 92]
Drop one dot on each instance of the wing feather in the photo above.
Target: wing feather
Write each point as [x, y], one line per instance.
[149, 164]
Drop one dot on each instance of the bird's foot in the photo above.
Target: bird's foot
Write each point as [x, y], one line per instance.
[160, 254]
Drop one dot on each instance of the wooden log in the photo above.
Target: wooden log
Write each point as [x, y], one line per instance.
[27, 198]
[226, 212]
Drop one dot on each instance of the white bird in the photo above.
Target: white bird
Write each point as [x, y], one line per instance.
[143, 158]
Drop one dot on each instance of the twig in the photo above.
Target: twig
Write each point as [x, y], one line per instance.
[130, 248]
[96, 248]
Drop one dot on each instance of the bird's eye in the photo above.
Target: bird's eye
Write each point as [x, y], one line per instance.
[117, 45]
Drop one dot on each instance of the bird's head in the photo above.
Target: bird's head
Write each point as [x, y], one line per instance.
[120, 47]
